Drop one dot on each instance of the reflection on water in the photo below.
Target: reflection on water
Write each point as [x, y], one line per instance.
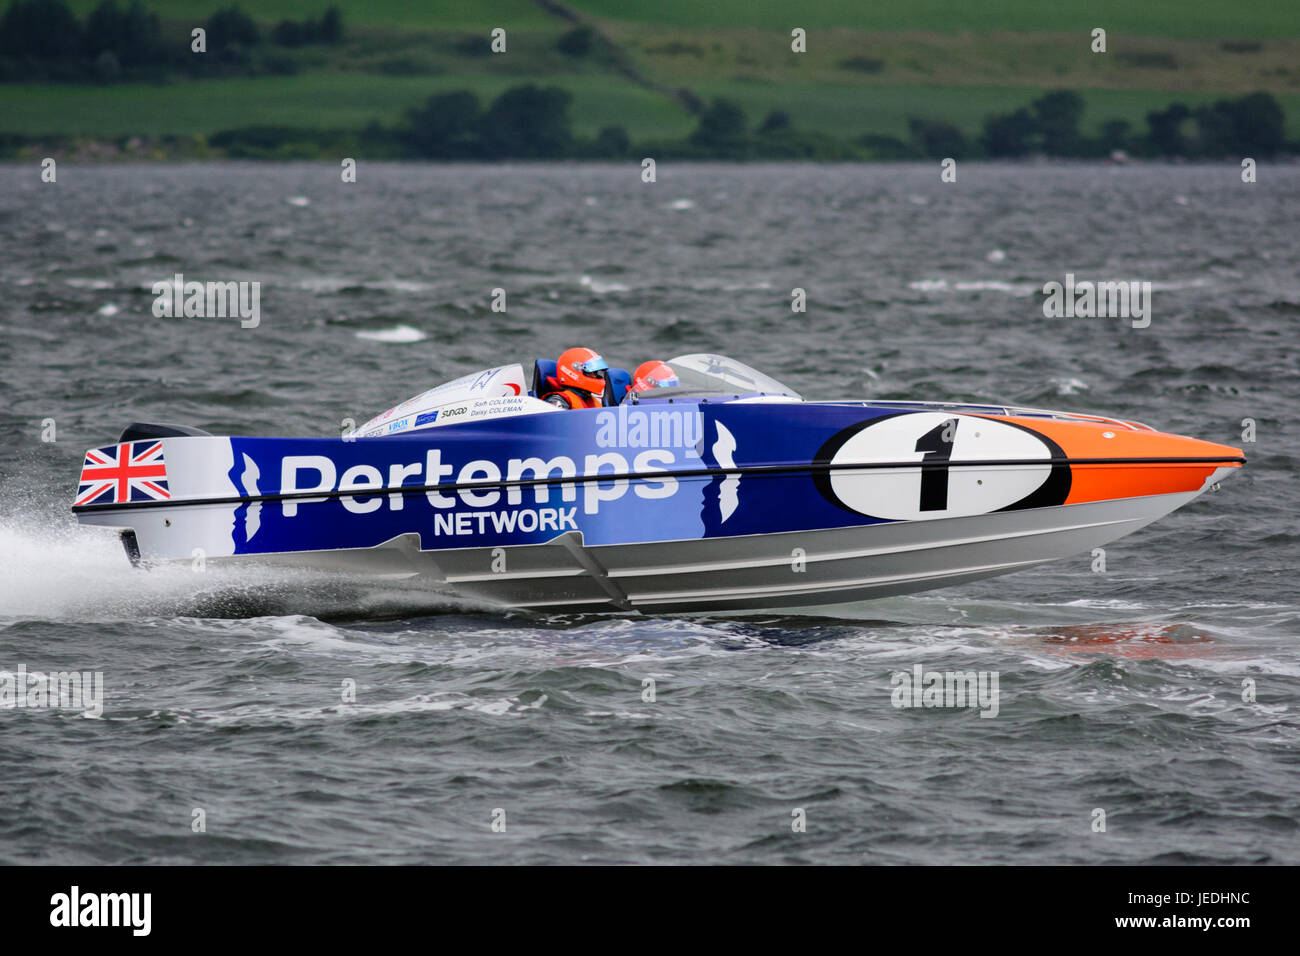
[1133, 640]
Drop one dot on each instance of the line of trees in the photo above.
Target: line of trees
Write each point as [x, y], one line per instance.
[524, 122]
[44, 41]
[1252, 125]
[531, 122]
[528, 122]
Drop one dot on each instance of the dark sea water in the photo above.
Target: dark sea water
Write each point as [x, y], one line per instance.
[1120, 690]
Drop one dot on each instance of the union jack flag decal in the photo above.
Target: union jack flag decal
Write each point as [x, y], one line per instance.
[133, 471]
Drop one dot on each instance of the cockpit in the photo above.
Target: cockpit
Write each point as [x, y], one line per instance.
[702, 375]
[503, 392]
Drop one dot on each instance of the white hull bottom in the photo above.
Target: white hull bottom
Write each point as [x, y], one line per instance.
[791, 569]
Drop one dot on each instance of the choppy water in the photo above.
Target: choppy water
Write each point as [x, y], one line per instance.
[1120, 691]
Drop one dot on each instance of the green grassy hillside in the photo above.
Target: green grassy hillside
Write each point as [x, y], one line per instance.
[1160, 18]
[869, 66]
[400, 14]
[1167, 18]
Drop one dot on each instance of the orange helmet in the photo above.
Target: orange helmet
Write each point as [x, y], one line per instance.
[582, 368]
[654, 374]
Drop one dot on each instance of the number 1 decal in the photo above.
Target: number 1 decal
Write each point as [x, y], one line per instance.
[937, 445]
[927, 466]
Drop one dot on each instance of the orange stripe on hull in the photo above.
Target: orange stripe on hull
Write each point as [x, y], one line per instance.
[1103, 482]
[1099, 482]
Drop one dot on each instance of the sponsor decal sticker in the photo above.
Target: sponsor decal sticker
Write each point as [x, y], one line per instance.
[930, 480]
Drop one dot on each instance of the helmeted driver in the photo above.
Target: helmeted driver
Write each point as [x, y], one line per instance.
[653, 374]
[581, 375]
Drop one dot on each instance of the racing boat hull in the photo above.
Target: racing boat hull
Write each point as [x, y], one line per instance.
[789, 569]
[665, 506]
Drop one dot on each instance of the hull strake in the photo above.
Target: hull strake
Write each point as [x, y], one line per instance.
[839, 565]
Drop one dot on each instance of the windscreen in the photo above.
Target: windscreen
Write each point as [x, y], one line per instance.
[703, 373]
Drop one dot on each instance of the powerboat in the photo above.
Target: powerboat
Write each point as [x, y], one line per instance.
[726, 491]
